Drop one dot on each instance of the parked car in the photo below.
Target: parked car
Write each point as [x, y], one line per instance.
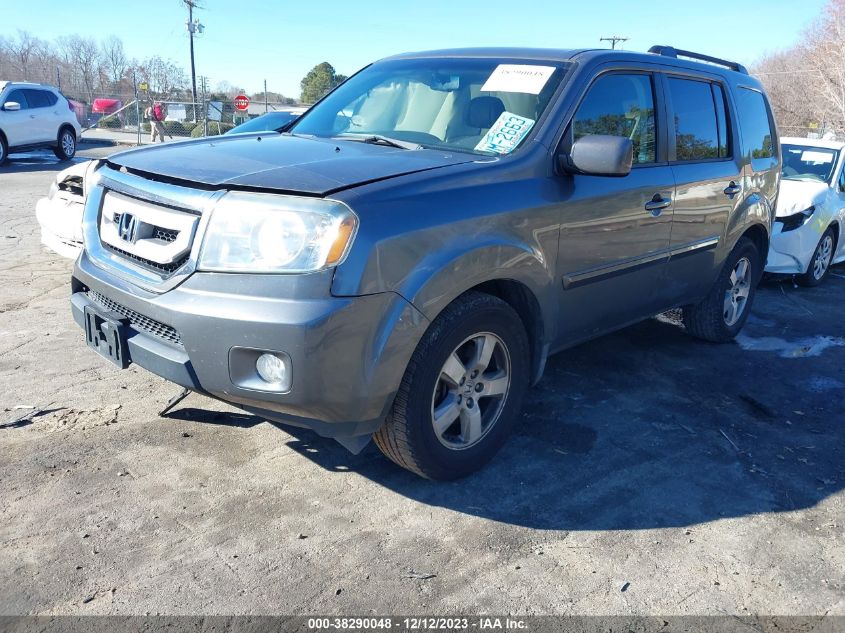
[810, 220]
[268, 122]
[60, 213]
[402, 261]
[34, 116]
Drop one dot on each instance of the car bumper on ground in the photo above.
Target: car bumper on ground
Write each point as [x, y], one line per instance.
[790, 252]
[347, 354]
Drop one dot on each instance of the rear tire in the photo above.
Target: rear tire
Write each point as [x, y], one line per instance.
[820, 261]
[461, 391]
[66, 147]
[723, 312]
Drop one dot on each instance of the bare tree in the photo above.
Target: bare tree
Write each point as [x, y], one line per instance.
[81, 56]
[825, 53]
[114, 60]
[163, 76]
[21, 52]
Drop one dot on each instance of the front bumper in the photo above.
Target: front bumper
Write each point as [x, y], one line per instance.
[347, 354]
[61, 225]
[791, 252]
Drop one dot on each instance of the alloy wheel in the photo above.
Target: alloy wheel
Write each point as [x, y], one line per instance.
[68, 144]
[823, 256]
[471, 391]
[736, 295]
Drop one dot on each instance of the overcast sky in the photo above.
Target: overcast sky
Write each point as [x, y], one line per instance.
[247, 41]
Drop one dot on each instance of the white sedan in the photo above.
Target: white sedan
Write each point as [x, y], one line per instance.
[60, 213]
[809, 230]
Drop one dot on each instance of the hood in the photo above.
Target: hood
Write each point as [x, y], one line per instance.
[796, 195]
[282, 162]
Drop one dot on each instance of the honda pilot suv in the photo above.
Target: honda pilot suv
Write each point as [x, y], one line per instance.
[400, 262]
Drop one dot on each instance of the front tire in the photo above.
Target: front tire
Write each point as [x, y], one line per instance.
[66, 147]
[4, 150]
[723, 312]
[461, 391]
[820, 262]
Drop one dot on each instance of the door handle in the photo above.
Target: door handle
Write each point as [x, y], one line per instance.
[31, 116]
[732, 189]
[657, 204]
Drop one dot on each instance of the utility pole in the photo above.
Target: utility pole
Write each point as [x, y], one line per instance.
[266, 109]
[59, 78]
[137, 105]
[193, 27]
[613, 40]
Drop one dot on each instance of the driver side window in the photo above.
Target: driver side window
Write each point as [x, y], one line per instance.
[620, 105]
[842, 181]
[18, 97]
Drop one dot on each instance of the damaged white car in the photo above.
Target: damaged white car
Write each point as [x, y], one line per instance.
[60, 213]
[810, 220]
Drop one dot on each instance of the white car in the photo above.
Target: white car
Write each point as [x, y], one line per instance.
[60, 213]
[35, 116]
[809, 229]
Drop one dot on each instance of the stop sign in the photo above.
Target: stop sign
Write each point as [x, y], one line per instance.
[241, 102]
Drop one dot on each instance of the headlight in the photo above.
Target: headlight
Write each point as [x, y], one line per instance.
[796, 220]
[54, 189]
[266, 233]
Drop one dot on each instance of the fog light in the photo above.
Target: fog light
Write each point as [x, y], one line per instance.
[273, 370]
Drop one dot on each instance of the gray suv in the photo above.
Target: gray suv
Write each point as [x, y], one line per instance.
[401, 261]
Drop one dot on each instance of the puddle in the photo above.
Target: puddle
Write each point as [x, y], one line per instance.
[800, 348]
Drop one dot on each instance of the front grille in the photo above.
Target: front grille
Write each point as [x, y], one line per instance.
[166, 269]
[159, 232]
[138, 320]
[165, 235]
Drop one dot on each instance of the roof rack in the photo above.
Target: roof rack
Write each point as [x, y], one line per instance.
[670, 51]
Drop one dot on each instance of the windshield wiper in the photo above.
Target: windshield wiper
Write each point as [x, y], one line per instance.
[376, 139]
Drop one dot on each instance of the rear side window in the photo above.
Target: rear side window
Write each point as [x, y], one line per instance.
[19, 97]
[755, 125]
[620, 105]
[39, 98]
[696, 127]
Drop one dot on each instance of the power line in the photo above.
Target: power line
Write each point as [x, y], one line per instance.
[613, 40]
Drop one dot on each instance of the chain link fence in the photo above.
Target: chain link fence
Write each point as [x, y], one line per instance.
[116, 118]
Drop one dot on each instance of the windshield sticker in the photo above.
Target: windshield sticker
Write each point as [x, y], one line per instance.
[505, 134]
[518, 78]
[810, 156]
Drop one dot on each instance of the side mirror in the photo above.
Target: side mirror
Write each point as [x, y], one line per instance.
[599, 155]
[11, 106]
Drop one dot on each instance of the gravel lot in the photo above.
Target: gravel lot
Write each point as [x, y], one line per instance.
[651, 474]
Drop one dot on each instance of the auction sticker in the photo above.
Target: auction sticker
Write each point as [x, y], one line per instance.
[505, 134]
[518, 78]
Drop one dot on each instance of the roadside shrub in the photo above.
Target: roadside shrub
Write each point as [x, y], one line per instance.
[197, 132]
[110, 122]
[176, 128]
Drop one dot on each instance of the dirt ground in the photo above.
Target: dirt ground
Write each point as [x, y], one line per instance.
[650, 474]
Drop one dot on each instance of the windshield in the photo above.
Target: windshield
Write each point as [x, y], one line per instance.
[265, 122]
[805, 162]
[483, 106]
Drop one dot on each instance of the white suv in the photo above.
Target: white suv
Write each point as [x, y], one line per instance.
[33, 116]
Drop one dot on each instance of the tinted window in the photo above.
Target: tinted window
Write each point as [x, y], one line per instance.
[39, 98]
[19, 97]
[620, 105]
[757, 135]
[696, 126]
